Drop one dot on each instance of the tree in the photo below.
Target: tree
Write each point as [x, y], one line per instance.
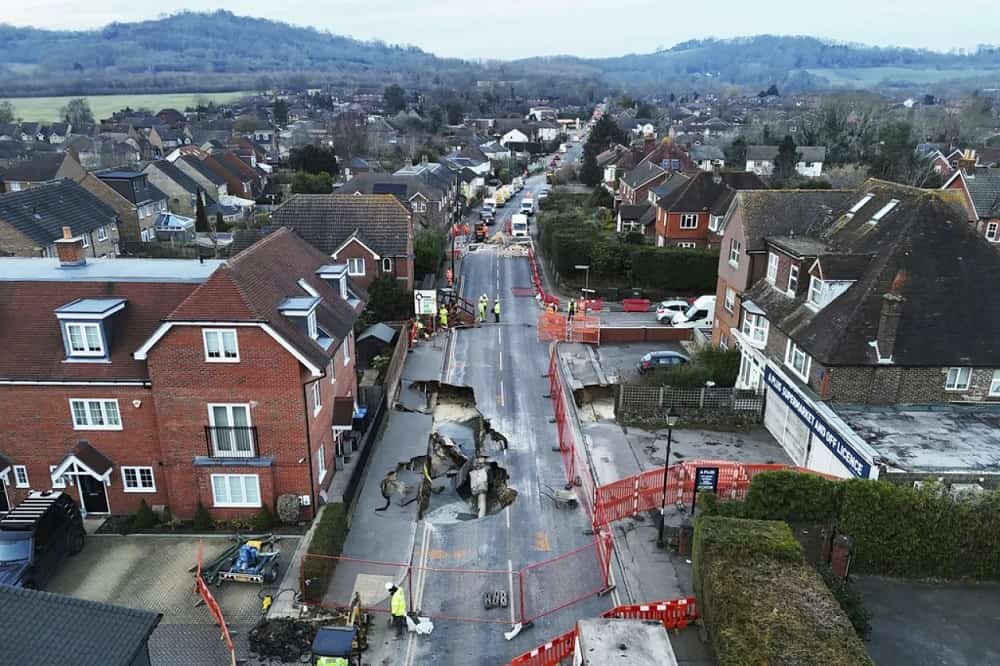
[312, 183]
[394, 99]
[281, 112]
[246, 124]
[645, 110]
[770, 92]
[313, 159]
[387, 301]
[428, 251]
[6, 112]
[220, 224]
[601, 198]
[200, 216]
[77, 112]
[455, 111]
[736, 153]
[590, 174]
[785, 161]
[605, 133]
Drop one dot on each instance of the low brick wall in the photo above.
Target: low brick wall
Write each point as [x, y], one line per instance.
[616, 334]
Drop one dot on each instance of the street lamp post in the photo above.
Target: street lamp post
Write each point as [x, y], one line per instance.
[672, 417]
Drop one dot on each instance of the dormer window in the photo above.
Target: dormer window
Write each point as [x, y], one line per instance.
[816, 293]
[311, 325]
[87, 326]
[883, 211]
[85, 339]
[861, 204]
[336, 276]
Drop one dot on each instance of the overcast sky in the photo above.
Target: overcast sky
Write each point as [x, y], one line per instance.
[518, 28]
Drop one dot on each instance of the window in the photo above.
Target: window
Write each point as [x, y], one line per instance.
[387, 265]
[793, 280]
[689, 221]
[317, 398]
[95, 415]
[419, 207]
[347, 348]
[755, 329]
[995, 384]
[21, 476]
[355, 266]
[714, 222]
[85, 339]
[993, 232]
[321, 462]
[102, 233]
[236, 490]
[816, 289]
[734, 252]
[221, 345]
[883, 211]
[687, 245]
[797, 360]
[772, 267]
[730, 300]
[861, 204]
[311, 325]
[232, 434]
[958, 379]
[56, 483]
[86, 239]
[138, 480]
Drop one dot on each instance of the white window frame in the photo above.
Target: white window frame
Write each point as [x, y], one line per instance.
[772, 267]
[730, 300]
[714, 221]
[755, 328]
[419, 207]
[317, 398]
[234, 452]
[86, 239]
[219, 334]
[386, 264]
[793, 280]
[102, 233]
[86, 406]
[82, 328]
[321, 462]
[993, 231]
[56, 483]
[687, 245]
[311, 325]
[21, 479]
[956, 384]
[689, 221]
[816, 289]
[350, 266]
[228, 502]
[735, 247]
[347, 348]
[792, 350]
[995, 384]
[139, 486]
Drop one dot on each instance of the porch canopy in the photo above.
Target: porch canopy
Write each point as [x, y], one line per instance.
[5, 465]
[343, 413]
[84, 459]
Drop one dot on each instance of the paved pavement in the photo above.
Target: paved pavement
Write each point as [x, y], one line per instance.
[917, 623]
[151, 572]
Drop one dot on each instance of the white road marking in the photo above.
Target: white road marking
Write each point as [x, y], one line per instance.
[510, 595]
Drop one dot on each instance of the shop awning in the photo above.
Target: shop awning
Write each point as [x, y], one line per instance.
[84, 459]
[343, 413]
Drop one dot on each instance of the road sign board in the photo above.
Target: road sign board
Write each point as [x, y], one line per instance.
[706, 479]
[425, 301]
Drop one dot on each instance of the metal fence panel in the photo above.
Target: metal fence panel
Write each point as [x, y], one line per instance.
[650, 401]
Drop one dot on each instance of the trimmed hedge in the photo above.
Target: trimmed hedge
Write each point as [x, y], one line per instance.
[794, 497]
[327, 540]
[761, 603]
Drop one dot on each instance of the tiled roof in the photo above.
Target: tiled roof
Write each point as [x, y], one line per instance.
[984, 188]
[704, 189]
[251, 285]
[41, 212]
[36, 170]
[203, 169]
[327, 220]
[700, 153]
[44, 628]
[768, 213]
[173, 173]
[642, 174]
[769, 153]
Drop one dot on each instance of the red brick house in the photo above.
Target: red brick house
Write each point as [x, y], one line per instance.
[980, 188]
[690, 215]
[175, 381]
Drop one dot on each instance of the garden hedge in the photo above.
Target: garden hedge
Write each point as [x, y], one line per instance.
[327, 540]
[760, 601]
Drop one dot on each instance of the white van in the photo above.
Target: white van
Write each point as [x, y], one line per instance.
[528, 205]
[701, 314]
[518, 225]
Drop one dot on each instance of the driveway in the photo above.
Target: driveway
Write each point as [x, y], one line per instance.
[151, 572]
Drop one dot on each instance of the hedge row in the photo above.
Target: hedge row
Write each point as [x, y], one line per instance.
[327, 540]
[896, 530]
[761, 603]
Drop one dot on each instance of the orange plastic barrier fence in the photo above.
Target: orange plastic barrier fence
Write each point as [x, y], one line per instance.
[213, 606]
[556, 326]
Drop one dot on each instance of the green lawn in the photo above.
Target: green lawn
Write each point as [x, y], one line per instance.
[46, 109]
[867, 77]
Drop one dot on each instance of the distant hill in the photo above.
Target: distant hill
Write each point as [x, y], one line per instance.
[221, 51]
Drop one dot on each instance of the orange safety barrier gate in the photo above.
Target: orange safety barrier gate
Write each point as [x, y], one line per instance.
[556, 326]
[675, 614]
[213, 606]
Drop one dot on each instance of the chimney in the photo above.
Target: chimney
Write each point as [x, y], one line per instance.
[70, 249]
[888, 321]
[717, 174]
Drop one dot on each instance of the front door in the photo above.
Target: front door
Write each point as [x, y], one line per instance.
[93, 494]
[4, 504]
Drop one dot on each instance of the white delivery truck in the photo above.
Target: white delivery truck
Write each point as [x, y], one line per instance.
[527, 205]
[518, 225]
[701, 314]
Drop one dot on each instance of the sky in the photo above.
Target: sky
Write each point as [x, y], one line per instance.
[509, 29]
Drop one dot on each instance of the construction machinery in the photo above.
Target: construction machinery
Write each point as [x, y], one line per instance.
[248, 560]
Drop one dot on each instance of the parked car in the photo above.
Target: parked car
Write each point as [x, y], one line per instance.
[36, 535]
[699, 314]
[667, 309]
[660, 359]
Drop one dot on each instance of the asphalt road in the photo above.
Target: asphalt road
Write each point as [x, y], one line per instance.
[504, 364]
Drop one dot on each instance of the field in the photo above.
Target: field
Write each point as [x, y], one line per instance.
[46, 109]
[870, 77]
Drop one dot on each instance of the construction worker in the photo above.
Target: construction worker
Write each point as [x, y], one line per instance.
[443, 316]
[484, 302]
[397, 607]
[570, 309]
[388, 485]
[496, 310]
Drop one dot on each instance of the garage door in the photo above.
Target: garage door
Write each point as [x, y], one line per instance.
[786, 427]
